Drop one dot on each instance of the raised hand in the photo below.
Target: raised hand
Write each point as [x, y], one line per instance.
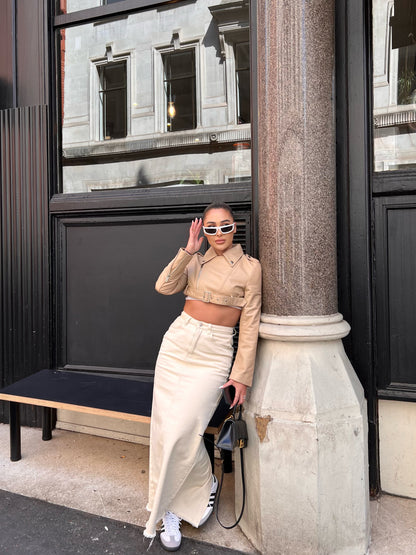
[194, 241]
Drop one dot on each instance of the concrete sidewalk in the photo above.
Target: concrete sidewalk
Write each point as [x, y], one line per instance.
[102, 477]
[104, 482]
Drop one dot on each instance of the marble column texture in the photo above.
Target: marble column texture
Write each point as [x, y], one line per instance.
[306, 461]
[296, 156]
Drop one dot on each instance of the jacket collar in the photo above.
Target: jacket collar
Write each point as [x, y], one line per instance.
[232, 255]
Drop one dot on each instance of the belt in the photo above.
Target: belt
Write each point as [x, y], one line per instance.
[209, 297]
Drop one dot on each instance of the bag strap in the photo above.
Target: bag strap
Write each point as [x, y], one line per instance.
[217, 505]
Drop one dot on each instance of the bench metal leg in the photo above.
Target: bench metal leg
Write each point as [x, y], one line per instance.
[227, 456]
[228, 462]
[46, 423]
[15, 437]
[209, 446]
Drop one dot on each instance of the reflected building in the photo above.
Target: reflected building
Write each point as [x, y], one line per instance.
[394, 47]
[157, 98]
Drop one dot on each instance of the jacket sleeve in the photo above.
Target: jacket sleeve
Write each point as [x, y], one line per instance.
[243, 367]
[175, 276]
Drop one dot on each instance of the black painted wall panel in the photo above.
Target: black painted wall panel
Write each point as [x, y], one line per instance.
[110, 318]
[114, 317]
[402, 300]
[395, 232]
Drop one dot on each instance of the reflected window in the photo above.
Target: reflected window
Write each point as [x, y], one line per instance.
[232, 21]
[179, 83]
[113, 100]
[242, 70]
[394, 84]
[406, 75]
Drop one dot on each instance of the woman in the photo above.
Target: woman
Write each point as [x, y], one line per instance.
[222, 288]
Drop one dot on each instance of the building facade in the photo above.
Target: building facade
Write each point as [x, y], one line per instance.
[120, 120]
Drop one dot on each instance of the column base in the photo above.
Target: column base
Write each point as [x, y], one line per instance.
[307, 458]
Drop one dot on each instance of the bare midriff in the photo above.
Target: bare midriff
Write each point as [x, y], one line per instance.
[211, 313]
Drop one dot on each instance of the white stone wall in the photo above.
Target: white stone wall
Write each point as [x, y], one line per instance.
[398, 447]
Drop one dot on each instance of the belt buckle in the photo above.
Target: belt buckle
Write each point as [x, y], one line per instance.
[207, 296]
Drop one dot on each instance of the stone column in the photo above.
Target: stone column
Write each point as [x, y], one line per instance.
[307, 475]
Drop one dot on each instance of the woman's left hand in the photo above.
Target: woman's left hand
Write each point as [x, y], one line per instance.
[240, 392]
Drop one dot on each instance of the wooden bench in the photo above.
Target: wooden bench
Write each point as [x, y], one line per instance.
[127, 399]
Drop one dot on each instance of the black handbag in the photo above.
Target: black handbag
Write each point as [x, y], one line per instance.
[233, 434]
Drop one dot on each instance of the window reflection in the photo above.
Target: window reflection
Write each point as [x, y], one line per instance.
[179, 73]
[242, 59]
[394, 61]
[113, 100]
[156, 98]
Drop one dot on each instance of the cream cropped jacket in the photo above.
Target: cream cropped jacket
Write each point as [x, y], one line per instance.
[231, 279]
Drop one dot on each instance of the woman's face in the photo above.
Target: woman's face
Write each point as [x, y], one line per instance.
[217, 217]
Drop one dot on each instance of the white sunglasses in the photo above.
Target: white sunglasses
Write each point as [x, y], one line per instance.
[224, 229]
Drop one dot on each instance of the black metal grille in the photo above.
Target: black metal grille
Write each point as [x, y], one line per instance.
[24, 299]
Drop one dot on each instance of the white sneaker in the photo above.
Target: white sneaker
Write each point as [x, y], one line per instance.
[210, 506]
[170, 536]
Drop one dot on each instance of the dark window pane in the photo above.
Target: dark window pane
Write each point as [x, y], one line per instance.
[242, 55]
[183, 91]
[114, 76]
[242, 62]
[179, 70]
[403, 23]
[115, 115]
[243, 85]
[113, 96]
[179, 64]
[406, 79]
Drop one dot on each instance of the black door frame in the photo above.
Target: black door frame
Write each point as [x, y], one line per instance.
[355, 217]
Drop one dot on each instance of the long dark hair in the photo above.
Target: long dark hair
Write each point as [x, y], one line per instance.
[217, 205]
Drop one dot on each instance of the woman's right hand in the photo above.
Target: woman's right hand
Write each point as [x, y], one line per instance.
[194, 241]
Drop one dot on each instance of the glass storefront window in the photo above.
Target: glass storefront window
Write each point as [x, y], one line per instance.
[156, 98]
[394, 63]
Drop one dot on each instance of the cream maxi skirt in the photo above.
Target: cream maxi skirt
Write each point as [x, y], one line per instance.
[194, 361]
